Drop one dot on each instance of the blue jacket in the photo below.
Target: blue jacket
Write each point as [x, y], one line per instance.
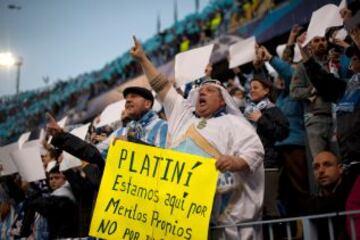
[292, 109]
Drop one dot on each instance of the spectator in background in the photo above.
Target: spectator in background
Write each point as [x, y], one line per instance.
[289, 51]
[334, 188]
[50, 157]
[85, 182]
[346, 94]
[317, 110]
[184, 44]
[271, 126]
[238, 95]
[239, 79]
[215, 22]
[7, 214]
[145, 127]
[327, 171]
[59, 209]
[98, 135]
[294, 177]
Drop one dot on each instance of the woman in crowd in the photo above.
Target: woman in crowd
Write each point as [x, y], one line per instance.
[271, 126]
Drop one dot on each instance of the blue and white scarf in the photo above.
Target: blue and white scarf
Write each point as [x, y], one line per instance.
[136, 129]
[351, 98]
[257, 106]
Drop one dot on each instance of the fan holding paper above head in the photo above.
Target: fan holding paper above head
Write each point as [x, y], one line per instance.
[323, 18]
[190, 65]
[317, 110]
[242, 52]
[290, 51]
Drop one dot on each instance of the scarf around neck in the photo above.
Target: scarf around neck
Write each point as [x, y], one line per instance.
[259, 106]
[136, 129]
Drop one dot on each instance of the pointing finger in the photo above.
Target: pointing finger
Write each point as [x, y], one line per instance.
[50, 118]
[136, 42]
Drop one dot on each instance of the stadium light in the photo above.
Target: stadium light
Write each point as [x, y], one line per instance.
[7, 59]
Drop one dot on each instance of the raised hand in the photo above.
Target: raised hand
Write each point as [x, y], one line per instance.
[345, 14]
[305, 52]
[295, 30]
[340, 43]
[208, 70]
[258, 61]
[137, 52]
[52, 127]
[301, 38]
[265, 54]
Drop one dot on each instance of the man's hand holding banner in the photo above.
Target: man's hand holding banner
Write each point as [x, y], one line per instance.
[153, 193]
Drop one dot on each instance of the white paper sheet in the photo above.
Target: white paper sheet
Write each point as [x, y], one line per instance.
[323, 18]
[42, 135]
[111, 113]
[28, 161]
[23, 138]
[342, 4]
[341, 34]
[70, 161]
[242, 52]
[32, 143]
[297, 54]
[50, 165]
[81, 131]
[190, 65]
[62, 122]
[6, 161]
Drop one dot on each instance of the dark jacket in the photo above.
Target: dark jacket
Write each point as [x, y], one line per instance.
[60, 213]
[85, 186]
[332, 203]
[346, 94]
[79, 148]
[272, 126]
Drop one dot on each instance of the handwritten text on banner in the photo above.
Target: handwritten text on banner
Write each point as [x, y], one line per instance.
[152, 193]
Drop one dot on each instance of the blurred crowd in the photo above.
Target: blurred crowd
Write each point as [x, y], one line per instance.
[24, 112]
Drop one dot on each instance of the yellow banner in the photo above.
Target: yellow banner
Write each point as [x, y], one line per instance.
[152, 194]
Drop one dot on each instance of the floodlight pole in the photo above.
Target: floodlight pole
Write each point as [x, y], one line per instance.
[18, 71]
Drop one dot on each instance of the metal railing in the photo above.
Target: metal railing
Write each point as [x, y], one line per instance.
[309, 228]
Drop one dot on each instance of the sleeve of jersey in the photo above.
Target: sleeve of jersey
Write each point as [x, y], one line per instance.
[172, 102]
[247, 145]
[163, 134]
